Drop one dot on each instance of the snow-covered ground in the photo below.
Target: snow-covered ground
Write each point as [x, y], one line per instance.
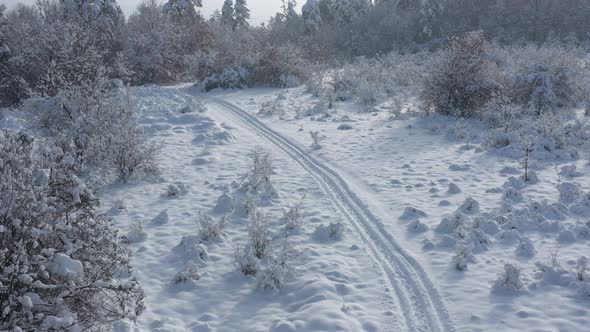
[335, 285]
[403, 170]
[414, 202]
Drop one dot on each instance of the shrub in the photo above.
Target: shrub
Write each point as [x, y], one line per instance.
[64, 264]
[332, 232]
[211, 230]
[188, 274]
[293, 216]
[258, 230]
[95, 123]
[280, 66]
[460, 79]
[509, 279]
[245, 261]
[273, 276]
[229, 78]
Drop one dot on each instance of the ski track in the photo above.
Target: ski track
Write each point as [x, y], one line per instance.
[419, 300]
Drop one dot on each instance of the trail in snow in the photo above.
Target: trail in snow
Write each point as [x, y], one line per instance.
[420, 302]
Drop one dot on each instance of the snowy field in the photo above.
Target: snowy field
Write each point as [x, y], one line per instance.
[409, 175]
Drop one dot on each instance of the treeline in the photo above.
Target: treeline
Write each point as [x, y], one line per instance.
[56, 43]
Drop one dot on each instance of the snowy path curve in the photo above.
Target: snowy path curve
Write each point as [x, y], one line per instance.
[419, 300]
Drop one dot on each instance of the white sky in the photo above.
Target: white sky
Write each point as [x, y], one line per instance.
[260, 10]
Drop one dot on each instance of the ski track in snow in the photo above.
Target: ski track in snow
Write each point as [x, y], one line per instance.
[419, 300]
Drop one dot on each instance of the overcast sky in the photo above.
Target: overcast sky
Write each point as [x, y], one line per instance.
[260, 10]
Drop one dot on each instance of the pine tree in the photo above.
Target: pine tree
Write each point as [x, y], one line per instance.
[182, 7]
[242, 14]
[4, 50]
[312, 17]
[228, 14]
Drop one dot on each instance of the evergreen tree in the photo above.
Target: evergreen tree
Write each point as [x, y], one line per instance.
[242, 13]
[182, 7]
[228, 14]
[312, 17]
[4, 50]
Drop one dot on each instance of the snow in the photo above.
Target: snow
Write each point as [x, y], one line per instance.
[326, 276]
[64, 265]
[396, 164]
[486, 250]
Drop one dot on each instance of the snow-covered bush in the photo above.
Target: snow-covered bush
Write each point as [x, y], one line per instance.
[259, 233]
[57, 252]
[462, 257]
[211, 230]
[461, 77]
[525, 248]
[331, 232]
[192, 248]
[177, 189]
[189, 273]
[293, 216]
[59, 44]
[136, 233]
[509, 279]
[280, 66]
[257, 182]
[317, 138]
[271, 108]
[274, 274]
[245, 261]
[95, 122]
[229, 78]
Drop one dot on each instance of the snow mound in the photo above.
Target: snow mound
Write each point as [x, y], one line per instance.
[412, 213]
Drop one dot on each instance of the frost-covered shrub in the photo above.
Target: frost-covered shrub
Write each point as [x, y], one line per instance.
[469, 206]
[461, 77]
[293, 216]
[229, 78]
[57, 252]
[452, 224]
[271, 108]
[525, 248]
[274, 274]
[191, 248]
[462, 257]
[177, 189]
[280, 66]
[500, 112]
[211, 230]
[332, 232]
[189, 273]
[245, 261]
[316, 138]
[136, 234]
[509, 279]
[259, 233]
[96, 123]
[257, 182]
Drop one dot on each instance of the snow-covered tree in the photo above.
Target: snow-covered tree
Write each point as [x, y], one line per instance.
[4, 50]
[311, 14]
[182, 7]
[64, 266]
[242, 14]
[348, 11]
[228, 14]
